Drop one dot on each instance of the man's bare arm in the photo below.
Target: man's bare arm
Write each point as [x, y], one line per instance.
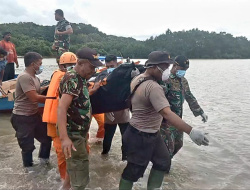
[68, 31]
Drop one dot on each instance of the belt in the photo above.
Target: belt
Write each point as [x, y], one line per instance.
[134, 130]
[76, 133]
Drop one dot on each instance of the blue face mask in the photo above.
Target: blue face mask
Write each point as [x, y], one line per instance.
[40, 70]
[70, 67]
[109, 70]
[180, 73]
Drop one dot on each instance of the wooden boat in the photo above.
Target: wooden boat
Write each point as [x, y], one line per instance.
[7, 94]
[102, 58]
[7, 91]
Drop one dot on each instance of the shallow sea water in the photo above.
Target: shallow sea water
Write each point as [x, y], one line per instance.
[222, 89]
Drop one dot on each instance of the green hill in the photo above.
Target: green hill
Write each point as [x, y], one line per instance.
[193, 43]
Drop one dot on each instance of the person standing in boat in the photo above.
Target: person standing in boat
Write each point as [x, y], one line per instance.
[25, 117]
[74, 113]
[142, 140]
[62, 33]
[112, 119]
[177, 90]
[9, 72]
[3, 55]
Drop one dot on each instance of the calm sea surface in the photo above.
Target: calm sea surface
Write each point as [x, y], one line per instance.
[222, 88]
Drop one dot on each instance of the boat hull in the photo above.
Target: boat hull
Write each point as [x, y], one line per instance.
[6, 105]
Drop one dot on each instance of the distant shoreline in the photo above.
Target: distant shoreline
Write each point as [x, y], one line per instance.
[21, 56]
[146, 58]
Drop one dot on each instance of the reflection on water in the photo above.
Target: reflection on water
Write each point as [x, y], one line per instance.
[222, 90]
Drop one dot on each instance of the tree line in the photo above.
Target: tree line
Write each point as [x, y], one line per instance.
[195, 43]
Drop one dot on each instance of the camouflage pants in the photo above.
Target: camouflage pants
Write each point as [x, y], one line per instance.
[78, 164]
[172, 137]
[61, 47]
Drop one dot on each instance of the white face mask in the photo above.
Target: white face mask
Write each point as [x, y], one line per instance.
[165, 74]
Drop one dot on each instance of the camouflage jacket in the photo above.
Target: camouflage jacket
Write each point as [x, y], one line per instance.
[177, 90]
[79, 111]
[62, 41]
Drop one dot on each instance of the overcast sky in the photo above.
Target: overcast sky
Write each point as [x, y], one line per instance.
[139, 19]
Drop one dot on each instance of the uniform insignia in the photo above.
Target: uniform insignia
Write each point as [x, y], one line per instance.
[95, 56]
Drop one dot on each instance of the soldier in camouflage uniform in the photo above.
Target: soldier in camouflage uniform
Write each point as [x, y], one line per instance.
[74, 113]
[177, 90]
[62, 31]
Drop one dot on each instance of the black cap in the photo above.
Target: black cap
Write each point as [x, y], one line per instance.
[158, 57]
[182, 61]
[91, 55]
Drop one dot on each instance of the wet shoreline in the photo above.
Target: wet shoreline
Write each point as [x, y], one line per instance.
[105, 171]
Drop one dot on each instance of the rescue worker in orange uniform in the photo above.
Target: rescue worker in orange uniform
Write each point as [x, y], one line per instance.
[67, 60]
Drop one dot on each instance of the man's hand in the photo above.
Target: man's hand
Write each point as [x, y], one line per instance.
[17, 65]
[204, 117]
[96, 85]
[67, 145]
[95, 88]
[198, 137]
[53, 47]
[57, 32]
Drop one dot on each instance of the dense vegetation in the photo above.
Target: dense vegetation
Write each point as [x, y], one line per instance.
[193, 43]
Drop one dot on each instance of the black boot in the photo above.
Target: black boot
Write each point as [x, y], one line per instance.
[27, 159]
[44, 151]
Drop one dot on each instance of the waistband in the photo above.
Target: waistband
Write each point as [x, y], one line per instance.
[33, 115]
[134, 130]
[82, 133]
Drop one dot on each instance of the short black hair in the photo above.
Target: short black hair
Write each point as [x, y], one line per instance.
[109, 58]
[59, 12]
[3, 52]
[6, 33]
[31, 57]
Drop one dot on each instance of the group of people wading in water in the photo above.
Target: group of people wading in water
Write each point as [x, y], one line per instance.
[154, 133]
